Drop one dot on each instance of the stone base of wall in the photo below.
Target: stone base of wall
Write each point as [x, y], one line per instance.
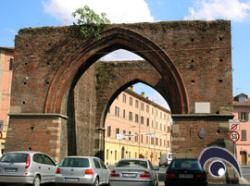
[38, 132]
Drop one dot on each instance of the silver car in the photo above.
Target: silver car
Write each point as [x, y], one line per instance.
[133, 172]
[82, 170]
[26, 167]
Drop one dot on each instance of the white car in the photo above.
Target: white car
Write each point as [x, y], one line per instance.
[82, 170]
[26, 167]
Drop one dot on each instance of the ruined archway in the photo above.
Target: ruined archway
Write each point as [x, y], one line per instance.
[193, 58]
[116, 38]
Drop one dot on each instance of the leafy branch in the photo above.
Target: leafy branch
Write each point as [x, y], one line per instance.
[89, 23]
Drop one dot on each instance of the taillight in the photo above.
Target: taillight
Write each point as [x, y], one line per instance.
[170, 175]
[114, 174]
[27, 163]
[145, 174]
[58, 170]
[89, 172]
[200, 176]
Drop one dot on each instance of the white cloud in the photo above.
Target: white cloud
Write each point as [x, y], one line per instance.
[235, 10]
[117, 11]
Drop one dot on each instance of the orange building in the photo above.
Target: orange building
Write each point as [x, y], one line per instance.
[241, 111]
[6, 65]
[136, 127]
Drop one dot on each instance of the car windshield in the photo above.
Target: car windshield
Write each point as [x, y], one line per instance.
[14, 157]
[132, 163]
[75, 162]
[185, 164]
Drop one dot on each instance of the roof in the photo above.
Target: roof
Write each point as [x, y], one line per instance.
[7, 49]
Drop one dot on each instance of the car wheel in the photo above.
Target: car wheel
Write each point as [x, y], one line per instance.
[37, 181]
[96, 183]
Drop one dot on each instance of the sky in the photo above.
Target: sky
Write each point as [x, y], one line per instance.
[17, 14]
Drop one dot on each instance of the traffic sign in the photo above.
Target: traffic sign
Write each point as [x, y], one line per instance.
[234, 136]
[234, 125]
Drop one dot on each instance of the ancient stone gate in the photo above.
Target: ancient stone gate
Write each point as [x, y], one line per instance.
[191, 68]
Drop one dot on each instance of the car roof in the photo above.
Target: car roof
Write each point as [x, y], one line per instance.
[28, 152]
[90, 157]
[140, 159]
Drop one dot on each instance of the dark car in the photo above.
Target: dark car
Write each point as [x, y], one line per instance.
[185, 172]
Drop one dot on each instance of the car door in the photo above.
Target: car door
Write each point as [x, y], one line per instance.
[105, 172]
[38, 167]
[98, 170]
[50, 168]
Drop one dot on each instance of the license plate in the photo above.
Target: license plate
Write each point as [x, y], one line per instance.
[10, 169]
[128, 175]
[188, 176]
[71, 179]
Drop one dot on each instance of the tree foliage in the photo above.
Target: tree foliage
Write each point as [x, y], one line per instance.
[89, 23]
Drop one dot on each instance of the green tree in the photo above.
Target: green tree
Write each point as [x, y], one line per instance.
[89, 23]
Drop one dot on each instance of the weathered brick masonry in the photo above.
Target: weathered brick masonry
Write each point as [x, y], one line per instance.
[192, 58]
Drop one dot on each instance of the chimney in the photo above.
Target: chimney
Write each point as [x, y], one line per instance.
[142, 94]
[131, 88]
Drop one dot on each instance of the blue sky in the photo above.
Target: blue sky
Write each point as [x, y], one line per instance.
[16, 14]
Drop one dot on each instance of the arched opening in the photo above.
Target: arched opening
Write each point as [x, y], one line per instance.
[138, 123]
[116, 38]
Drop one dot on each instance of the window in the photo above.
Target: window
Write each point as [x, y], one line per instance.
[124, 98]
[136, 137]
[124, 113]
[117, 131]
[142, 120]
[136, 103]
[243, 135]
[148, 122]
[152, 141]
[243, 116]
[142, 106]
[117, 111]
[131, 101]
[109, 131]
[141, 138]
[147, 108]
[136, 118]
[168, 128]
[115, 154]
[11, 64]
[1, 125]
[130, 116]
[107, 154]
[129, 138]
[146, 139]
[97, 164]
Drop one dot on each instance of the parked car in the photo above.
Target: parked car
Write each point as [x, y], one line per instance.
[82, 170]
[26, 167]
[185, 172]
[133, 172]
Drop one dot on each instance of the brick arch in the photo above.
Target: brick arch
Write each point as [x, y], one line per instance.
[117, 90]
[113, 39]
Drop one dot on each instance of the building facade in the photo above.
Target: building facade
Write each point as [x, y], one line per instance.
[241, 105]
[6, 65]
[136, 128]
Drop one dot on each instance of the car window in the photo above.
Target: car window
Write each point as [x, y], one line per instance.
[185, 164]
[47, 160]
[103, 165]
[75, 162]
[132, 163]
[97, 164]
[14, 157]
[38, 158]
